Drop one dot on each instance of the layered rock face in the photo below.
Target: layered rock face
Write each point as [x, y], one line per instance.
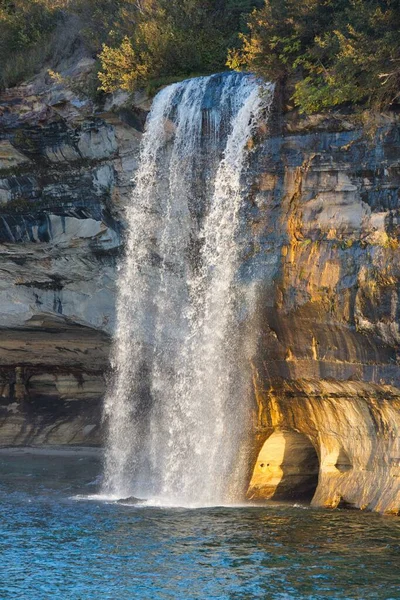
[321, 246]
[326, 252]
[65, 176]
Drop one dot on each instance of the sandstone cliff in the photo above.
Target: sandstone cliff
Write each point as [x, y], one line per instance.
[323, 207]
[326, 249]
[65, 175]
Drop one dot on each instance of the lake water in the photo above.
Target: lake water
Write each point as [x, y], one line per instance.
[55, 546]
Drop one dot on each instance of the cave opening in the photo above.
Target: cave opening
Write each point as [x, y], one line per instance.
[286, 468]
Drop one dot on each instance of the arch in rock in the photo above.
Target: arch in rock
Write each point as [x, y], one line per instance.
[286, 468]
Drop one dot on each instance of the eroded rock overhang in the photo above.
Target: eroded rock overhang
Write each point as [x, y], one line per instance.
[325, 253]
[321, 247]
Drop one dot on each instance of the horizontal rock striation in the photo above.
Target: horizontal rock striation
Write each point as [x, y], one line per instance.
[51, 382]
[65, 176]
[320, 246]
[326, 254]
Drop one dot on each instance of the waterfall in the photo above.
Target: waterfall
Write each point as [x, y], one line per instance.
[177, 408]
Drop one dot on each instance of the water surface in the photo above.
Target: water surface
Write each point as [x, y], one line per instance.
[56, 547]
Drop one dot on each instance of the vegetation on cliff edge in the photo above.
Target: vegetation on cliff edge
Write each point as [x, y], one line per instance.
[136, 41]
[328, 52]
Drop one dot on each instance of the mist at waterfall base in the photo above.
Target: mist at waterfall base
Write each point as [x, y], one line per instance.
[56, 547]
[179, 405]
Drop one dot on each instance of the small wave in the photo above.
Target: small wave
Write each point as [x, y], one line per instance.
[157, 502]
[95, 497]
[173, 503]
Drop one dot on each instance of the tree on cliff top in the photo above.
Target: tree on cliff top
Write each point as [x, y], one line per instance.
[136, 41]
[331, 51]
[171, 38]
[25, 29]
[328, 52]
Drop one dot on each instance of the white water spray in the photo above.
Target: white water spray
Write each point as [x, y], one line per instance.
[178, 406]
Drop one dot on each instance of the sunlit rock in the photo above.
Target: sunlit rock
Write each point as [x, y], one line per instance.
[286, 468]
[319, 246]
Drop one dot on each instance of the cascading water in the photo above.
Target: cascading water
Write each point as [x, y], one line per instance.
[177, 410]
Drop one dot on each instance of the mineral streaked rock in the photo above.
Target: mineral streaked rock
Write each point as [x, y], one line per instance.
[65, 176]
[325, 252]
[355, 430]
[10, 157]
[287, 467]
[51, 381]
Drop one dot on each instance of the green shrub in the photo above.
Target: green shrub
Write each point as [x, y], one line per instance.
[26, 27]
[332, 51]
[171, 38]
[137, 41]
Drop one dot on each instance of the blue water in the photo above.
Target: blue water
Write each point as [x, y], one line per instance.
[56, 547]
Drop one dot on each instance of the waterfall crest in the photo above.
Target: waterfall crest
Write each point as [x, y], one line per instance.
[177, 407]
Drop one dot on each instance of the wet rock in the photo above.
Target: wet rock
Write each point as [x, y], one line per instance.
[320, 255]
[131, 501]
